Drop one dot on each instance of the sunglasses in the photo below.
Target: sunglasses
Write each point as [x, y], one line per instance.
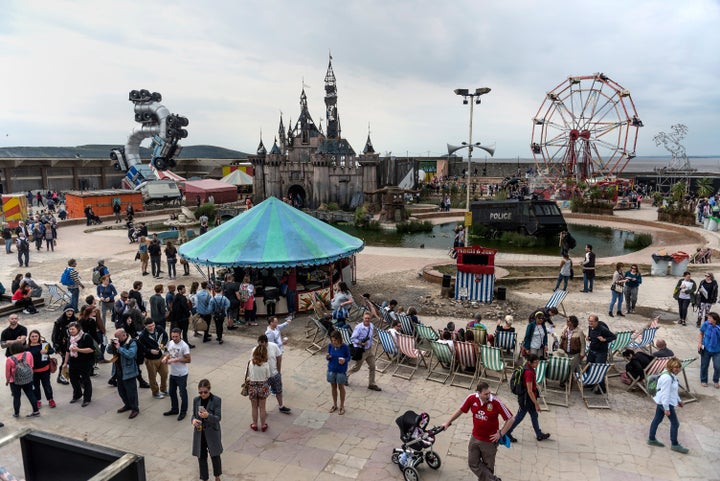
[203, 392]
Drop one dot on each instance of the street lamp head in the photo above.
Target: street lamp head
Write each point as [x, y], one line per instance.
[465, 101]
[482, 91]
[463, 92]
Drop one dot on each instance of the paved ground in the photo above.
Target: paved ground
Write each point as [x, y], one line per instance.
[311, 444]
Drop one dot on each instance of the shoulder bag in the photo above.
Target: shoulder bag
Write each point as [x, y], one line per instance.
[245, 385]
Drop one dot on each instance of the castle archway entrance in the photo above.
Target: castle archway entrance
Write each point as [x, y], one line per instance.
[297, 196]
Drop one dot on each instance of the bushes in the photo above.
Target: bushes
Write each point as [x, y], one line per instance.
[408, 227]
[206, 209]
[640, 241]
[331, 206]
[363, 220]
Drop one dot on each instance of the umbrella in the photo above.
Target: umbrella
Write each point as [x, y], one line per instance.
[271, 234]
[237, 177]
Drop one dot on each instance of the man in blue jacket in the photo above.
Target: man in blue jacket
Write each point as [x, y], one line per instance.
[125, 369]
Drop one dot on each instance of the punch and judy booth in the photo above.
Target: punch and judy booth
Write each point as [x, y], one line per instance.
[475, 279]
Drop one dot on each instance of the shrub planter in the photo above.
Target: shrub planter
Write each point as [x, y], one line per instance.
[677, 217]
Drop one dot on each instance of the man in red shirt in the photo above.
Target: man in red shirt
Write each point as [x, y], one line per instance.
[528, 400]
[482, 448]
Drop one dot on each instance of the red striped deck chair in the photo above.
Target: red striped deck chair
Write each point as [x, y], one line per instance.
[410, 357]
[468, 365]
[657, 365]
[685, 394]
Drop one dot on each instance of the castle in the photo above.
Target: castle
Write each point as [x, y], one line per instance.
[315, 167]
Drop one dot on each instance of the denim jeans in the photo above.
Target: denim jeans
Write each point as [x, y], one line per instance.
[588, 280]
[127, 389]
[616, 296]
[527, 407]
[171, 268]
[155, 265]
[178, 383]
[674, 423]
[705, 364]
[8, 246]
[562, 278]
[683, 305]
[17, 392]
[74, 297]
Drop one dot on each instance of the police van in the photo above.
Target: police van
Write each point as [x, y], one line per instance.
[541, 218]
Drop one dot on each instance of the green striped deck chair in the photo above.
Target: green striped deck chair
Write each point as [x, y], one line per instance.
[410, 357]
[425, 335]
[444, 364]
[467, 367]
[684, 386]
[492, 366]
[539, 380]
[558, 373]
[594, 373]
[622, 339]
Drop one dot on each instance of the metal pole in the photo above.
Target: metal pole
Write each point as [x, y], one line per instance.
[470, 149]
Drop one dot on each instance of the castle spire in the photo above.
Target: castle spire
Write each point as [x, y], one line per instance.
[281, 133]
[261, 150]
[332, 124]
[369, 149]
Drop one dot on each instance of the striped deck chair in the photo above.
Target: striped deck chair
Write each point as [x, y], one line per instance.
[507, 342]
[468, 365]
[558, 373]
[540, 372]
[386, 351]
[556, 300]
[479, 334]
[444, 362]
[621, 342]
[493, 367]
[346, 335]
[59, 297]
[594, 373]
[406, 325]
[637, 335]
[410, 358]
[425, 335]
[355, 313]
[319, 337]
[647, 340]
[386, 319]
[656, 366]
[684, 386]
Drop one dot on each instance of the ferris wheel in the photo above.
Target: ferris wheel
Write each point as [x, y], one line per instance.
[585, 129]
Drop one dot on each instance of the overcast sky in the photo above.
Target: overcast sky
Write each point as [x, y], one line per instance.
[232, 66]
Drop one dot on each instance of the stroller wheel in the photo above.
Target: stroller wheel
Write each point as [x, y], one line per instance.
[433, 460]
[411, 474]
[395, 458]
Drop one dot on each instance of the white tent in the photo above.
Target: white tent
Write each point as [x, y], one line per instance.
[237, 177]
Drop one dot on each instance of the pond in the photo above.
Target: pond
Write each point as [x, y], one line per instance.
[606, 241]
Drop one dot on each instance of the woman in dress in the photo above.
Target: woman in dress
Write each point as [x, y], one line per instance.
[564, 275]
[247, 291]
[337, 356]
[171, 255]
[340, 304]
[684, 292]
[80, 358]
[618, 283]
[666, 399]
[17, 387]
[207, 437]
[633, 279]
[258, 372]
[707, 296]
[41, 350]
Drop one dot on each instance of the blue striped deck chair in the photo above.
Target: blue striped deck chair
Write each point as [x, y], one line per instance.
[556, 300]
[386, 351]
[467, 367]
[492, 366]
[646, 341]
[593, 373]
[346, 335]
[621, 342]
[355, 313]
[557, 372]
[425, 335]
[59, 297]
[539, 380]
[684, 386]
[656, 366]
[386, 318]
[507, 341]
[410, 358]
[444, 362]
[319, 337]
[406, 325]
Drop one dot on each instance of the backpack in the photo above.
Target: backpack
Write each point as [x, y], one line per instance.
[217, 307]
[517, 384]
[651, 383]
[571, 242]
[96, 276]
[23, 371]
[66, 278]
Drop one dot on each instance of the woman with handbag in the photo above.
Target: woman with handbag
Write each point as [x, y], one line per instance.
[707, 295]
[340, 304]
[257, 374]
[207, 437]
[338, 356]
[684, 293]
[616, 289]
[41, 350]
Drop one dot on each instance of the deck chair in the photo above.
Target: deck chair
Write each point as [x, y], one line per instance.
[621, 342]
[593, 373]
[684, 386]
[386, 351]
[507, 342]
[444, 362]
[355, 313]
[479, 334]
[468, 365]
[346, 335]
[540, 372]
[637, 335]
[556, 300]
[656, 366]
[646, 341]
[557, 372]
[59, 297]
[319, 337]
[406, 325]
[492, 366]
[425, 335]
[410, 358]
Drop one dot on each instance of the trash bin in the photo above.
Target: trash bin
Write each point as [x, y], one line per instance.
[447, 278]
[659, 266]
[680, 261]
[500, 293]
[706, 223]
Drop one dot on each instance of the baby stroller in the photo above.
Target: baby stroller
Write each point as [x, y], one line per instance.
[417, 444]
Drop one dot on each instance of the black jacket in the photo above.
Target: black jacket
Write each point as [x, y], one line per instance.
[602, 330]
[148, 342]
[636, 366]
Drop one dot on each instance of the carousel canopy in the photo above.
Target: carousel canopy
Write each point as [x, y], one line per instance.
[237, 177]
[271, 234]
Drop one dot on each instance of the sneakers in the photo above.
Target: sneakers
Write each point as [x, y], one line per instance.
[655, 442]
[284, 410]
[158, 396]
[52, 403]
[374, 387]
[679, 448]
[39, 404]
[25, 311]
[543, 436]
[37, 413]
[512, 438]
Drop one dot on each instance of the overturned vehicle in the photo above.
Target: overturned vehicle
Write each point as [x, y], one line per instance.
[540, 218]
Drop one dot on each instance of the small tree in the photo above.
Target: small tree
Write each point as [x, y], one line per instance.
[705, 187]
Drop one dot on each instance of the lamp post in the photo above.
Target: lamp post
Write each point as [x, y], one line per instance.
[472, 99]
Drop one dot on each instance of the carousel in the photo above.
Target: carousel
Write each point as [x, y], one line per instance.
[271, 241]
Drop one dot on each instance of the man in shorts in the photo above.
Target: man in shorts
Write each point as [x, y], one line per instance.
[275, 380]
